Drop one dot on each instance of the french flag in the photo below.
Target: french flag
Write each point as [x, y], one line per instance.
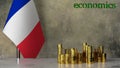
[23, 28]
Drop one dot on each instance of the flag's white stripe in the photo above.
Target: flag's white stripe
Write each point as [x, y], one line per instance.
[22, 23]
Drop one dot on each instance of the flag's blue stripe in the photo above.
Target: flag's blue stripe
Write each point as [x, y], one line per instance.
[16, 5]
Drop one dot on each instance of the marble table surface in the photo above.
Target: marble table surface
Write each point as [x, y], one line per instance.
[52, 63]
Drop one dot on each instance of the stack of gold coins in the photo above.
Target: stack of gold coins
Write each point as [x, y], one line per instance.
[99, 59]
[95, 55]
[100, 51]
[73, 56]
[59, 52]
[89, 56]
[67, 58]
[83, 55]
[79, 56]
[86, 52]
[104, 57]
[62, 59]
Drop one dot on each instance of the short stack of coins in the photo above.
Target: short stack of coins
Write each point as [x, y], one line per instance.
[67, 56]
[88, 55]
[79, 59]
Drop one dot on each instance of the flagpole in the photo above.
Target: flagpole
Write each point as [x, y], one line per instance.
[17, 55]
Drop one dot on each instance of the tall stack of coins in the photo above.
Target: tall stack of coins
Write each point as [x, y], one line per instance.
[73, 56]
[89, 55]
[85, 49]
[86, 52]
[60, 49]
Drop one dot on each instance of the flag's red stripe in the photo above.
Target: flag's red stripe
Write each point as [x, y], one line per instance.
[32, 44]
